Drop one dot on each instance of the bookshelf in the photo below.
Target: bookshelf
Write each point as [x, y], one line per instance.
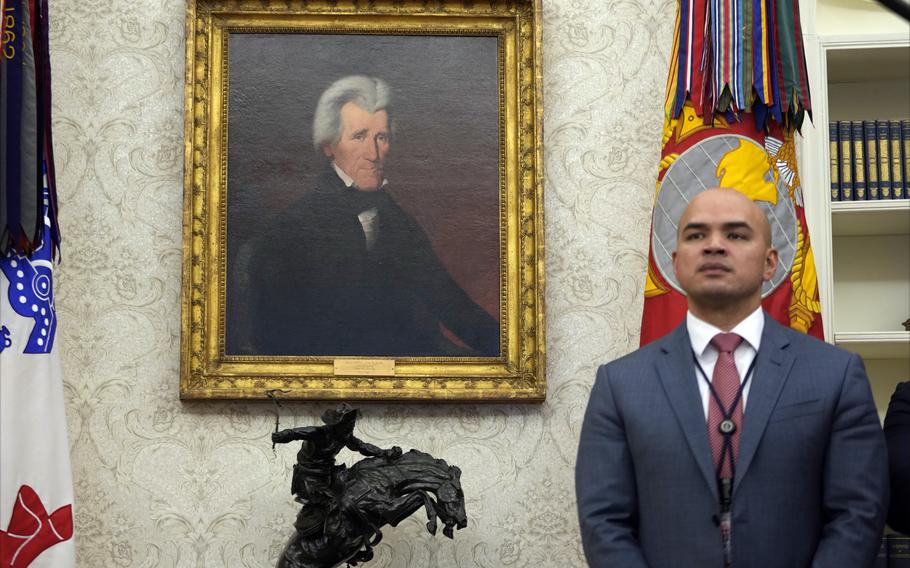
[857, 218]
[862, 248]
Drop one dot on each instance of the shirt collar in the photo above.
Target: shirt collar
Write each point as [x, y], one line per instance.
[348, 180]
[701, 332]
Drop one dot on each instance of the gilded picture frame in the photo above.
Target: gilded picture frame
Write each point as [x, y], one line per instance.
[441, 298]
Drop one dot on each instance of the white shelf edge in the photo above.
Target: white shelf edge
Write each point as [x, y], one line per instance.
[870, 218]
[864, 41]
[872, 336]
[888, 345]
[870, 206]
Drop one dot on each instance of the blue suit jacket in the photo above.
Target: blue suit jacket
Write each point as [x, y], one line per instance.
[811, 475]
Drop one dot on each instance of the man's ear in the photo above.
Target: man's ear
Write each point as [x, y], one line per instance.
[328, 151]
[771, 260]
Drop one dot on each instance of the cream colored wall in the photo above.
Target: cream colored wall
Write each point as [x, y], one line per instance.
[856, 17]
[163, 483]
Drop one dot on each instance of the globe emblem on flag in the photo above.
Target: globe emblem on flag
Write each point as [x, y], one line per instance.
[729, 161]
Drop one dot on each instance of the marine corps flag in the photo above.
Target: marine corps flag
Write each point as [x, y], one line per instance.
[736, 93]
[36, 488]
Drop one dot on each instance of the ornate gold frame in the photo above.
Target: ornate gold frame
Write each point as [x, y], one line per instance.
[206, 372]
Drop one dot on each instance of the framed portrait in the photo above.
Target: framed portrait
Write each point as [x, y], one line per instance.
[363, 210]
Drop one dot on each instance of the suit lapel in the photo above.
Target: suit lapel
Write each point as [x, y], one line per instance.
[677, 375]
[772, 367]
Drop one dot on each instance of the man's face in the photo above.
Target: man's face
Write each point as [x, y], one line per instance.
[362, 148]
[723, 252]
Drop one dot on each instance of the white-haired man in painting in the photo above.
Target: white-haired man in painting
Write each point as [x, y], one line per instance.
[346, 271]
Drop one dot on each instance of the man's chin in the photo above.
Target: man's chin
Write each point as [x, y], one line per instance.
[723, 298]
[366, 189]
[370, 184]
[712, 296]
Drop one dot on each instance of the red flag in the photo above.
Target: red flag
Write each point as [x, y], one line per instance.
[735, 95]
[762, 166]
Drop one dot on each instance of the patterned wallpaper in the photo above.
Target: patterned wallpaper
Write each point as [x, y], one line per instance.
[162, 483]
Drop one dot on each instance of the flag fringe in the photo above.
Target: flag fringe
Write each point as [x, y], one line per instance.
[732, 57]
[25, 137]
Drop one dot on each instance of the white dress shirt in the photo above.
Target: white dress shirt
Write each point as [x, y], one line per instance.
[701, 333]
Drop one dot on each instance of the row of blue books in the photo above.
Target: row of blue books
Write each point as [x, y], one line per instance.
[894, 552]
[870, 159]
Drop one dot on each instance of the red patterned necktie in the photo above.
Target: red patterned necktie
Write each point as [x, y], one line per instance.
[725, 381]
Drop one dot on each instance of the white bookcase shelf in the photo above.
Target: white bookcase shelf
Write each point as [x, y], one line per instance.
[862, 248]
[875, 345]
[867, 218]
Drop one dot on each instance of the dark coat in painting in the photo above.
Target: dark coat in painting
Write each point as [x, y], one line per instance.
[314, 288]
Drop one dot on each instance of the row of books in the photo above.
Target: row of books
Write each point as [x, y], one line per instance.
[894, 552]
[870, 159]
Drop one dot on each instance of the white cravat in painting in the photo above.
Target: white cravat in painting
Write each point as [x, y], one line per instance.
[369, 220]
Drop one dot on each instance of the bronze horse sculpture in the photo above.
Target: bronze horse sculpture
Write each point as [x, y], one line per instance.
[344, 509]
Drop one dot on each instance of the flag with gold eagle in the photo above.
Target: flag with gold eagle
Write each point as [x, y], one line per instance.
[737, 92]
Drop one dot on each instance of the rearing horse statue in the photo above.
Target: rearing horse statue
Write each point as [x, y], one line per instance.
[344, 508]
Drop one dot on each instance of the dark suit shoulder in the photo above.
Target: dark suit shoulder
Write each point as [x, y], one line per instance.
[809, 346]
[898, 414]
[638, 357]
[631, 366]
[902, 392]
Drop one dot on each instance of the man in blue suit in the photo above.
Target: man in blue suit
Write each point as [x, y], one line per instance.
[733, 441]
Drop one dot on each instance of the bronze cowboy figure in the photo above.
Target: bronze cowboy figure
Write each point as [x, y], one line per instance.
[344, 508]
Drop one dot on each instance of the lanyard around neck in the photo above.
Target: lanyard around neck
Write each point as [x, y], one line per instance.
[726, 413]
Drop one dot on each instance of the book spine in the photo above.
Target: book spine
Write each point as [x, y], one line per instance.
[846, 160]
[898, 182]
[859, 161]
[834, 151]
[905, 157]
[884, 159]
[872, 189]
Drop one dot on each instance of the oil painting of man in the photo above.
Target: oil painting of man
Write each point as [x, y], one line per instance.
[343, 268]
